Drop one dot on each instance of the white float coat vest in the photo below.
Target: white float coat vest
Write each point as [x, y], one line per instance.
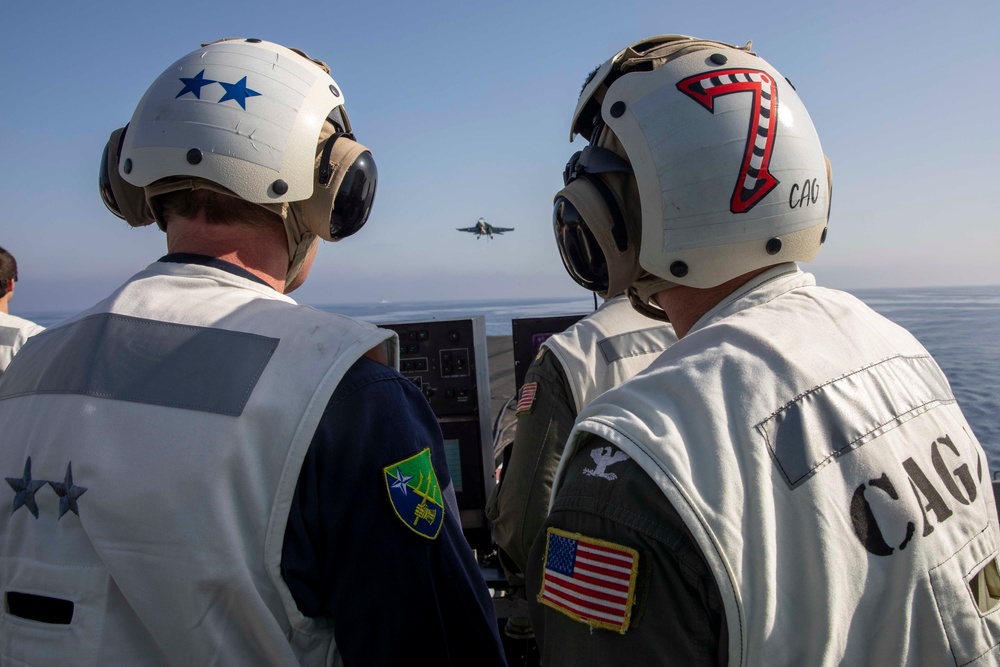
[14, 331]
[815, 452]
[608, 347]
[184, 405]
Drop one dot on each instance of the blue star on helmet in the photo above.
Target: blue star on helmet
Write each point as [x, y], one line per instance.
[194, 84]
[401, 480]
[238, 91]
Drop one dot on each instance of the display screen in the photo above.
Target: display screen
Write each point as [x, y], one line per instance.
[453, 456]
[536, 342]
[527, 336]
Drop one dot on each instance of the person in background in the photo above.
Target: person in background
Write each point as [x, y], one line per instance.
[14, 331]
[573, 367]
[199, 470]
[792, 482]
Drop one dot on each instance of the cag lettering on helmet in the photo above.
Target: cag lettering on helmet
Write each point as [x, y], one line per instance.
[805, 194]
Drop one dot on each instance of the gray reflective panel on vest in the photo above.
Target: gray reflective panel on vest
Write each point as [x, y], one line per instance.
[142, 361]
[635, 343]
[844, 414]
[8, 336]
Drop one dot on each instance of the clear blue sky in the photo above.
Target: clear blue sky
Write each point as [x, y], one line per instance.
[466, 106]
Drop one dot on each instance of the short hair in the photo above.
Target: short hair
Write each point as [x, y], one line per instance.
[8, 270]
[219, 209]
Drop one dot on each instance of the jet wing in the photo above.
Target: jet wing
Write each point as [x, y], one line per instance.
[468, 229]
[501, 230]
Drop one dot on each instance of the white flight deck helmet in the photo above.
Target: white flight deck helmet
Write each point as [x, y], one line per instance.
[728, 167]
[250, 119]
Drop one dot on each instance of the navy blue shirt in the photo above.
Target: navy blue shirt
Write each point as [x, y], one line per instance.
[394, 596]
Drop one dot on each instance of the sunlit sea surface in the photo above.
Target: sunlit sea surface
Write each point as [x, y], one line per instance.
[959, 325]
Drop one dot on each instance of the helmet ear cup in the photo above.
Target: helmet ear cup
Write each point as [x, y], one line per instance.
[582, 255]
[590, 224]
[353, 203]
[346, 180]
[125, 200]
[588, 164]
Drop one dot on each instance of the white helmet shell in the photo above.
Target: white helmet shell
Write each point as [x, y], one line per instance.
[245, 114]
[730, 171]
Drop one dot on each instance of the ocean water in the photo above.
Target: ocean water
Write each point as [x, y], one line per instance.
[960, 326]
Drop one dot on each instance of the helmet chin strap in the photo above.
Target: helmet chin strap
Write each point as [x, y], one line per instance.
[297, 257]
[642, 291]
[309, 219]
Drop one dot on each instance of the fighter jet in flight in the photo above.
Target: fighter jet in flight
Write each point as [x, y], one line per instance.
[484, 228]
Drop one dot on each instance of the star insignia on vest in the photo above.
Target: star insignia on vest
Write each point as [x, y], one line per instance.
[25, 489]
[590, 580]
[415, 494]
[68, 493]
[527, 400]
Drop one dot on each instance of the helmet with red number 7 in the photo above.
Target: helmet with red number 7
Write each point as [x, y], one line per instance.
[727, 165]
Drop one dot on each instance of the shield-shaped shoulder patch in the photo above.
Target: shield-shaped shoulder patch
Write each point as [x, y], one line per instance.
[415, 494]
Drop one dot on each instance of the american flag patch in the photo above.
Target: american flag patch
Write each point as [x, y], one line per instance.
[589, 580]
[527, 400]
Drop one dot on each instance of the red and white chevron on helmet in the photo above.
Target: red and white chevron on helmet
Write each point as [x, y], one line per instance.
[729, 168]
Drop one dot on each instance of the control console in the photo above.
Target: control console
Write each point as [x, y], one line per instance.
[448, 362]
